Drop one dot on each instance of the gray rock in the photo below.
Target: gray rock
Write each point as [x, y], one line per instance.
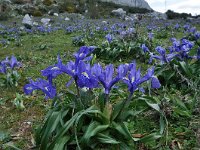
[35, 23]
[67, 19]
[158, 15]
[55, 14]
[128, 18]
[119, 12]
[22, 28]
[45, 21]
[131, 3]
[27, 21]
[104, 22]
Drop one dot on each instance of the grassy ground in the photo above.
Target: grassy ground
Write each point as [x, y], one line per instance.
[38, 52]
[34, 59]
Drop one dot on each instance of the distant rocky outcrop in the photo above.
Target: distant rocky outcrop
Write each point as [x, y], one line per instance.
[90, 8]
[131, 3]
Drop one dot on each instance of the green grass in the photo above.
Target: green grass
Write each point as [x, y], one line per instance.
[38, 52]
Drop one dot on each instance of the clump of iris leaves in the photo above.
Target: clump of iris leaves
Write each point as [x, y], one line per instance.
[91, 118]
[88, 119]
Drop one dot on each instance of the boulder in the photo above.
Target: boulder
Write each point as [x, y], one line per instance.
[158, 15]
[130, 3]
[119, 12]
[67, 19]
[128, 18]
[45, 21]
[27, 21]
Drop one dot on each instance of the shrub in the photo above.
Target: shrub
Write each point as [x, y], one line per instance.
[4, 16]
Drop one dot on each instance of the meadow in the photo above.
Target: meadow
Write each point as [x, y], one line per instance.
[100, 84]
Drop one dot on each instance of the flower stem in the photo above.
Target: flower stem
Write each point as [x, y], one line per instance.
[125, 103]
[106, 100]
[77, 89]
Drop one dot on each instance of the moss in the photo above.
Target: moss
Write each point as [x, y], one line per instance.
[71, 9]
[48, 2]
[37, 13]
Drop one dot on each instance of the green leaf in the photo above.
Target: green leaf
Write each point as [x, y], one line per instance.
[150, 137]
[102, 138]
[10, 145]
[4, 136]
[162, 124]
[116, 110]
[92, 130]
[123, 130]
[130, 113]
[182, 112]
[71, 123]
[48, 129]
[154, 106]
[185, 68]
[60, 145]
[62, 132]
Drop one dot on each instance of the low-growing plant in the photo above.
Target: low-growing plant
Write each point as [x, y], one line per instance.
[114, 49]
[78, 41]
[90, 118]
[8, 74]
[19, 101]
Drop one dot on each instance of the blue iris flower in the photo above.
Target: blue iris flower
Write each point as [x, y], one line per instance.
[12, 63]
[105, 76]
[109, 38]
[52, 72]
[79, 70]
[150, 36]
[9, 63]
[83, 54]
[145, 48]
[47, 88]
[163, 57]
[85, 78]
[134, 79]
[197, 35]
[198, 53]
[3, 68]
[177, 26]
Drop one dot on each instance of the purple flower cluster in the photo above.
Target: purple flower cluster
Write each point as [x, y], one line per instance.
[180, 49]
[9, 63]
[93, 76]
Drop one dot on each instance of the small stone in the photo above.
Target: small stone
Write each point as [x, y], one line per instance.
[45, 21]
[55, 14]
[27, 21]
[67, 19]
